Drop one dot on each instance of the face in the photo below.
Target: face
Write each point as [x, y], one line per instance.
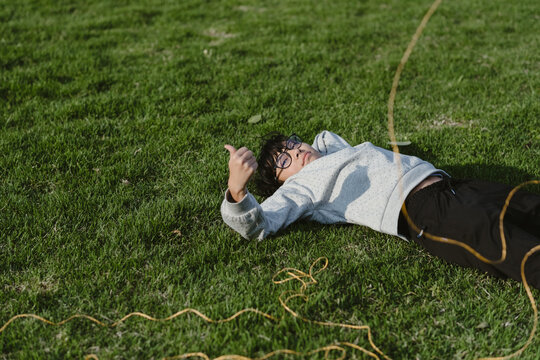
[302, 156]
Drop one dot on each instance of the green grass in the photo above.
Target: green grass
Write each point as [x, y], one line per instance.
[113, 117]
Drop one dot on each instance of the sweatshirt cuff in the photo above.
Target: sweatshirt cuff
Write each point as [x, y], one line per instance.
[241, 207]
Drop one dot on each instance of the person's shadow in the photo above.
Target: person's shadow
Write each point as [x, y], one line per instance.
[488, 172]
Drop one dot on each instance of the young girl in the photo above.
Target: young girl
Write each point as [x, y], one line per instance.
[333, 182]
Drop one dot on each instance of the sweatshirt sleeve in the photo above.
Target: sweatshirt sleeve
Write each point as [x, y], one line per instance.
[253, 220]
[327, 143]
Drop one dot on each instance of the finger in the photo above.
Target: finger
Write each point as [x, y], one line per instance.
[230, 148]
[248, 167]
[241, 151]
[247, 155]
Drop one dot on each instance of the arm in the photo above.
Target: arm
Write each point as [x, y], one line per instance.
[241, 211]
[256, 221]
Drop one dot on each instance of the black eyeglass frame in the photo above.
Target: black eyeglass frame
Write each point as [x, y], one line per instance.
[293, 142]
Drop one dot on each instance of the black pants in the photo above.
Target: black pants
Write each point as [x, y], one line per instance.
[468, 211]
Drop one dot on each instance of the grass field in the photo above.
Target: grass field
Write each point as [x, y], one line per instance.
[113, 116]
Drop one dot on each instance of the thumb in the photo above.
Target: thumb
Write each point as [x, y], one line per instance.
[230, 148]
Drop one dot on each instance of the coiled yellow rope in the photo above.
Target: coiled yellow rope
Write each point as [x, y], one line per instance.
[305, 279]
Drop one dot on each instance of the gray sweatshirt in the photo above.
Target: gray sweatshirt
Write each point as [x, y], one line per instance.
[363, 185]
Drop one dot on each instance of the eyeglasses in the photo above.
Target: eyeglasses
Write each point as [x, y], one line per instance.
[283, 158]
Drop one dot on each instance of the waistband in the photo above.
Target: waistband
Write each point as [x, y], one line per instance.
[438, 186]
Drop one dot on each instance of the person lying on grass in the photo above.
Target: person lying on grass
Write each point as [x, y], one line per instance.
[334, 182]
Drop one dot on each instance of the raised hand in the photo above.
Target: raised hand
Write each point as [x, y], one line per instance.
[242, 165]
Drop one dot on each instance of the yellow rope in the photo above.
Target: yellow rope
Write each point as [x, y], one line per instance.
[305, 280]
[295, 274]
[395, 148]
[136, 314]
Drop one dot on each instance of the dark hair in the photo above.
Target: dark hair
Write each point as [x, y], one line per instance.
[266, 181]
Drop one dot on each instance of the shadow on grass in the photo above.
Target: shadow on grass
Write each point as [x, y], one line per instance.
[489, 172]
[496, 173]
